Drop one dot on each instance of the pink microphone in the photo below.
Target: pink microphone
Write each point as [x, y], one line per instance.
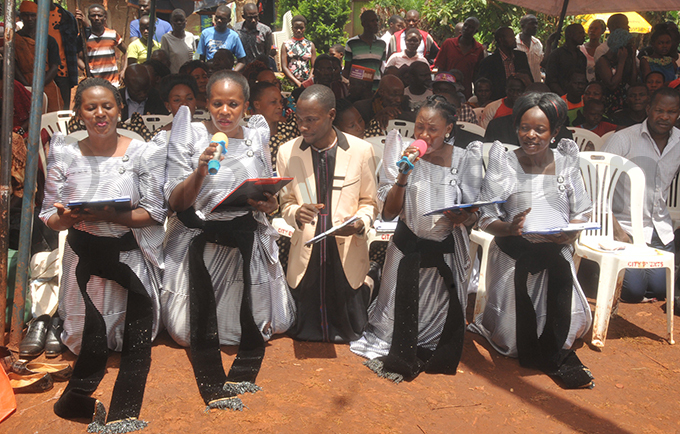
[406, 163]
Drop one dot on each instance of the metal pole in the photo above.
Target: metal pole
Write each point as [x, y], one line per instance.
[32, 159]
[6, 155]
[560, 22]
[152, 29]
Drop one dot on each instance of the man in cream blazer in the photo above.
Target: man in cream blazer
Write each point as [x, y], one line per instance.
[334, 180]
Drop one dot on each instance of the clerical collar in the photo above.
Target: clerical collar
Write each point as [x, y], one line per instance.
[328, 148]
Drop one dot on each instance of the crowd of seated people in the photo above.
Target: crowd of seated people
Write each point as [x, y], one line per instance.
[213, 275]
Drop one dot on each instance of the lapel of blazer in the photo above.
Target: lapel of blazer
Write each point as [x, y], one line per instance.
[342, 159]
[301, 163]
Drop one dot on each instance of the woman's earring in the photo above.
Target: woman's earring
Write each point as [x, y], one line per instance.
[120, 118]
[448, 135]
[552, 140]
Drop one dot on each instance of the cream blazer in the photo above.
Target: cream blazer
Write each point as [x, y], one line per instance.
[353, 193]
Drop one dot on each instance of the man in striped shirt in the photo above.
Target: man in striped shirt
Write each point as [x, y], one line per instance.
[366, 50]
[101, 46]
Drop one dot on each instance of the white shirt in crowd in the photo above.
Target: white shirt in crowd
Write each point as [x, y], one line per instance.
[636, 144]
[534, 54]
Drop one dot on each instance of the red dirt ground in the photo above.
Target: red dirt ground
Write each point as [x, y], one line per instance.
[320, 388]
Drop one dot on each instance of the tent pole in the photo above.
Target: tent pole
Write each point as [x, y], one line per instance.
[6, 155]
[152, 29]
[32, 158]
[561, 22]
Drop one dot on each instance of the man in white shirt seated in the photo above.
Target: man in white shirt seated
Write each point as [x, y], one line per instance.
[653, 145]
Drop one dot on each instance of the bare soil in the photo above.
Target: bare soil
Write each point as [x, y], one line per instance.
[317, 387]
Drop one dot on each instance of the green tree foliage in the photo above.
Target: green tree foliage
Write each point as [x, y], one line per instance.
[326, 20]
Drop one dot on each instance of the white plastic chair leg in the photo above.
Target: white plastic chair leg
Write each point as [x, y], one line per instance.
[480, 300]
[670, 301]
[608, 286]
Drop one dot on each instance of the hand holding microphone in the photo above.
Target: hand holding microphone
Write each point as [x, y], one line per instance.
[406, 163]
[222, 142]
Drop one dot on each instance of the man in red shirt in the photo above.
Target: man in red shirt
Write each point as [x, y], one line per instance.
[463, 53]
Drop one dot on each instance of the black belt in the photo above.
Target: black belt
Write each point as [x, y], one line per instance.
[545, 352]
[99, 256]
[217, 389]
[406, 359]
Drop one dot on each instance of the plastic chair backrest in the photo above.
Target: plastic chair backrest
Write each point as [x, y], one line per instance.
[55, 122]
[405, 127]
[582, 137]
[486, 148]
[201, 115]
[605, 138]
[601, 172]
[472, 128]
[378, 149]
[155, 122]
[81, 134]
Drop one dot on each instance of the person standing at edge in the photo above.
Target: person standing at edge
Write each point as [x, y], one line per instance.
[64, 29]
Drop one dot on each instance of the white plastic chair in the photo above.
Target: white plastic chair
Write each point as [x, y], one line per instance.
[479, 238]
[55, 122]
[472, 128]
[605, 138]
[378, 143]
[405, 127]
[486, 148]
[201, 115]
[282, 227]
[601, 171]
[156, 122]
[81, 134]
[582, 137]
[45, 101]
[673, 202]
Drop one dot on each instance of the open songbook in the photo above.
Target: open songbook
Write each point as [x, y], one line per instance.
[568, 228]
[119, 204]
[462, 206]
[250, 189]
[331, 231]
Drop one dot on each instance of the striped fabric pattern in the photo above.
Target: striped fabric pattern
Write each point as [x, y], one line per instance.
[554, 200]
[139, 174]
[370, 56]
[429, 187]
[272, 303]
[101, 51]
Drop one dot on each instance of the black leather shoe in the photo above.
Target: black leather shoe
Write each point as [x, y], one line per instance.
[53, 344]
[34, 342]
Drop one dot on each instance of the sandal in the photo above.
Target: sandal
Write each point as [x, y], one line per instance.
[58, 371]
[35, 383]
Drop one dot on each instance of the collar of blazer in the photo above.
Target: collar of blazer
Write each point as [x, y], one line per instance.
[342, 141]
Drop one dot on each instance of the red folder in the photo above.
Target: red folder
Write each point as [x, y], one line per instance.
[254, 189]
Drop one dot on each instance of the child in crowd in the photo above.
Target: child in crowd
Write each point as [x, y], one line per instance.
[654, 80]
[337, 50]
[593, 110]
[137, 51]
